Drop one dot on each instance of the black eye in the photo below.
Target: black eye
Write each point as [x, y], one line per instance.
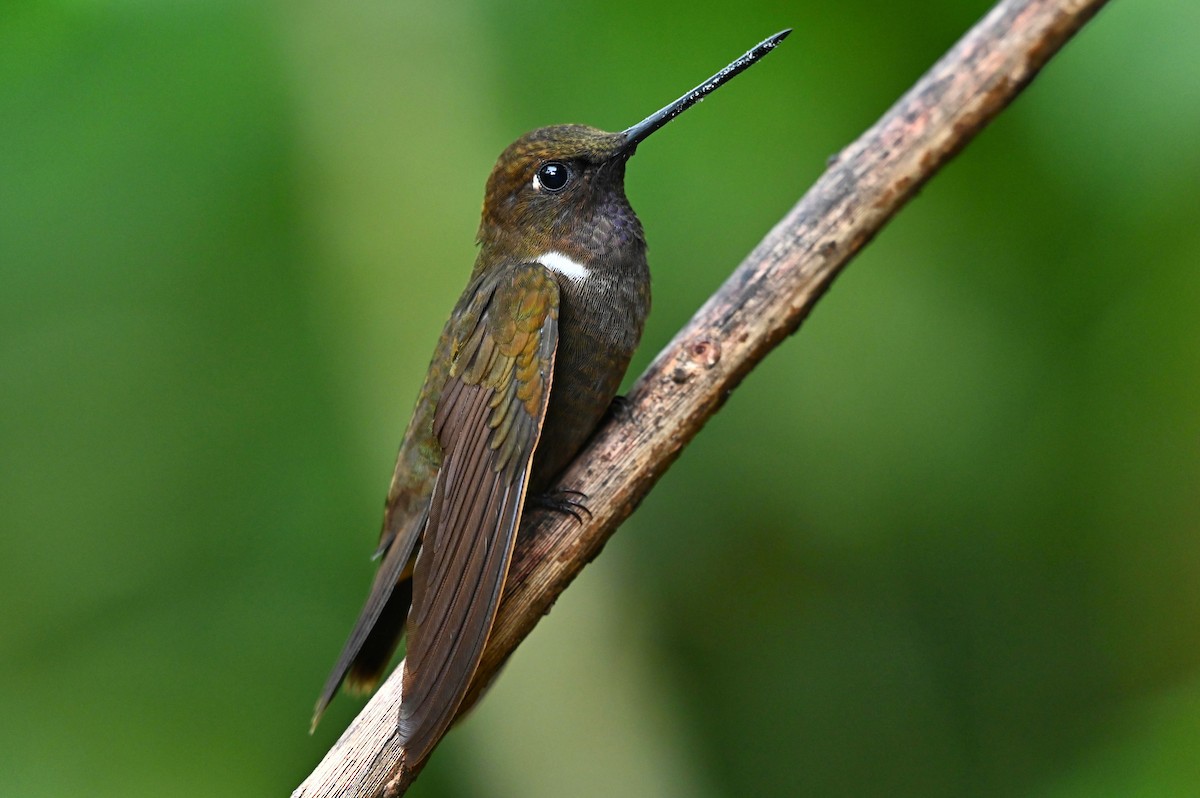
[553, 176]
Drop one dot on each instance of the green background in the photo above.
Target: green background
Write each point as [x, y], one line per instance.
[944, 542]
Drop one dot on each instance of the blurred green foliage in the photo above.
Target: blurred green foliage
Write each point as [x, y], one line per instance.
[944, 542]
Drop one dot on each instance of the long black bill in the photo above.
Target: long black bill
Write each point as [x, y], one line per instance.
[656, 120]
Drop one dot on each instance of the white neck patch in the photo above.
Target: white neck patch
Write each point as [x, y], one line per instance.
[568, 267]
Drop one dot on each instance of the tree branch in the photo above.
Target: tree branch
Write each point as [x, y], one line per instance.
[761, 303]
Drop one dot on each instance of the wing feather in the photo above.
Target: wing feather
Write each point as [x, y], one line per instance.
[488, 423]
[380, 625]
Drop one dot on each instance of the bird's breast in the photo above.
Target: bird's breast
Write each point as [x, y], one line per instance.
[603, 306]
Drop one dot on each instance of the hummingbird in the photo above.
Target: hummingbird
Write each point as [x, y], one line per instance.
[526, 367]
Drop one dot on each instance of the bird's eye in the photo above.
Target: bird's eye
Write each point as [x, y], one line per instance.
[552, 176]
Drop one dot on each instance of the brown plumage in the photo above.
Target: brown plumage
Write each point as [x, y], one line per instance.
[526, 367]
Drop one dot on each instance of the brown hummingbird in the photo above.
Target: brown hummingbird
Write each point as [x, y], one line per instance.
[526, 367]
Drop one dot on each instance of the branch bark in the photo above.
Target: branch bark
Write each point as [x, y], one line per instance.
[761, 303]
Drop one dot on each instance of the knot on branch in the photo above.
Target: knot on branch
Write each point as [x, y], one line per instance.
[694, 357]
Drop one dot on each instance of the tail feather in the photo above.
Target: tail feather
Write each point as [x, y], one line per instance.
[377, 631]
[366, 671]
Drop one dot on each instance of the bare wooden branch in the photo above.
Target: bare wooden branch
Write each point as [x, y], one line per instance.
[761, 303]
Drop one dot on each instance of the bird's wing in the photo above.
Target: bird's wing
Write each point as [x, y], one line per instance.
[380, 624]
[488, 422]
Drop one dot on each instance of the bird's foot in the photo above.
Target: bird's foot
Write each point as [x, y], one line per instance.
[620, 409]
[562, 500]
